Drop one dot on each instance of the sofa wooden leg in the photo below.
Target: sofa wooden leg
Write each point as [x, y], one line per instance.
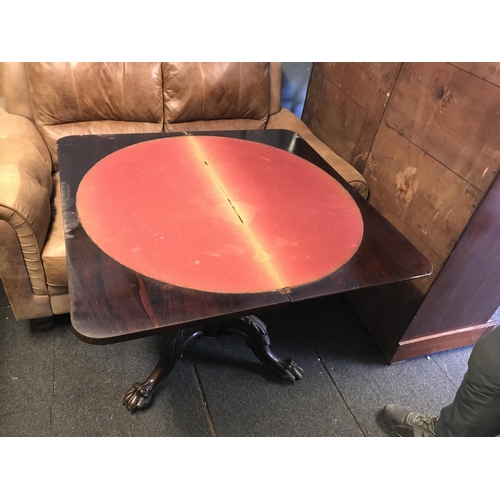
[42, 324]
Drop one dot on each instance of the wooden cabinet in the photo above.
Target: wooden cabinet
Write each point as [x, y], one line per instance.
[426, 136]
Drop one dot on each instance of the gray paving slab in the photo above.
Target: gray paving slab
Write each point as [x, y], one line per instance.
[17, 336]
[33, 423]
[26, 365]
[359, 370]
[170, 416]
[245, 398]
[453, 363]
[53, 383]
[91, 380]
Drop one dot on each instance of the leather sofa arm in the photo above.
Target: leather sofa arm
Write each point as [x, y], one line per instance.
[285, 119]
[25, 194]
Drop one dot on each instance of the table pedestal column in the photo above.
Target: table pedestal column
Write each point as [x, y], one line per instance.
[250, 327]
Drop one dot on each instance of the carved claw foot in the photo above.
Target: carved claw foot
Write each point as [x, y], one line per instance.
[288, 369]
[250, 327]
[255, 332]
[140, 396]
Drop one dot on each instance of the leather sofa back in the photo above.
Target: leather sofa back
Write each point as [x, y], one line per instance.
[204, 95]
[80, 92]
[109, 98]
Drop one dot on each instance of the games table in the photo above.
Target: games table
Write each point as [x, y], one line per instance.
[193, 234]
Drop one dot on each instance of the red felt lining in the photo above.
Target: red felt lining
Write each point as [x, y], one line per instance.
[219, 214]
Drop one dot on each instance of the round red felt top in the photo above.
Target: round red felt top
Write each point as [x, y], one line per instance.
[219, 214]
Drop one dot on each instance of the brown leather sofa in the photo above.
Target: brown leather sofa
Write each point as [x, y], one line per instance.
[46, 101]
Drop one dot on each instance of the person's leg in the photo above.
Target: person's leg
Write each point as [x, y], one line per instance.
[475, 411]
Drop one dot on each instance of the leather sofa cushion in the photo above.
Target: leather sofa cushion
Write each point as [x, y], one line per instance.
[210, 125]
[88, 91]
[106, 98]
[54, 251]
[51, 133]
[216, 91]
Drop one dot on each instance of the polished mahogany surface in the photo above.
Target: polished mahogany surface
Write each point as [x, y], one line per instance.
[112, 300]
[219, 214]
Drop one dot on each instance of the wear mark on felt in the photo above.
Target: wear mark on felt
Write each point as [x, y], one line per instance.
[228, 199]
[264, 257]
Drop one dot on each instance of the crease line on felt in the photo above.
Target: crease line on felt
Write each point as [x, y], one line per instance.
[199, 153]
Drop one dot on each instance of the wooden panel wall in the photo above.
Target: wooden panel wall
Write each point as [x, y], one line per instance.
[345, 103]
[432, 155]
[452, 115]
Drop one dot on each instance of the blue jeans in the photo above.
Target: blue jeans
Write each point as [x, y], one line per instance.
[475, 411]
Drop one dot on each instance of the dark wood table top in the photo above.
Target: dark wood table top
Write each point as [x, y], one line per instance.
[120, 285]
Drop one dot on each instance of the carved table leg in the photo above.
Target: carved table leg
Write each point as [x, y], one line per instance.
[141, 394]
[255, 333]
[250, 327]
